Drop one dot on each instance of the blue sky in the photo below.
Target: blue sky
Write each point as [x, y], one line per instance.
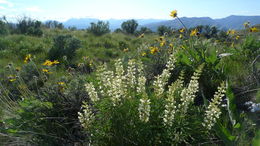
[105, 9]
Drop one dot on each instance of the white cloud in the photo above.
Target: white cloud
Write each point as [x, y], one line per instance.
[33, 9]
[6, 3]
[2, 8]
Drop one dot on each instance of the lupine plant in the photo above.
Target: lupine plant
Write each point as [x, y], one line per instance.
[124, 110]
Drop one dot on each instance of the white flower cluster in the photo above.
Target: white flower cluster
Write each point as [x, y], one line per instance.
[105, 78]
[162, 79]
[213, 111]
[170, 107]
[92, 92]
[188, 94]
[131, 73]
[144, 109]
[86, 117]
[113, 84]
[141, 85]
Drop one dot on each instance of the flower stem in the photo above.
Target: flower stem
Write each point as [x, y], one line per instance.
[181, 22]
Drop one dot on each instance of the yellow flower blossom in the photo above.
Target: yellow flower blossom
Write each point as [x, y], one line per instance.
[194, 32]
[50, 63]
[126, 50]
[55, 62]
[154, 50]
[47, 63]
[143, 54]
[237, 37]
[27, 58]
[254, 29]
[17, 69]
[173, 13]
[12, 78]
[141, 36]
[231, 31]
[171, 45]
[61, 83]
[162, 43]
[182, 30]
[181, 36]
[46, 71]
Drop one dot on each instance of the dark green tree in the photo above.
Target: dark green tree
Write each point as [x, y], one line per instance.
[129, 26]
[3, 28]
[30, 27]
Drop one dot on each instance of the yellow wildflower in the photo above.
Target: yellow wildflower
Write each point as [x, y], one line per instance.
[50, 63]
[141, 36]
[181, 36]
[90, 62]
[182, 30]
[27, 58]
[143, 54]
[12, 78]
[194, 32]
[173, 13]
[254, 29]
[17, 69]
[126, 50]
[47, 63]
[46, 71]
[231, 31]
[162, 43]
[61, 83]
[154, 50]
[237, 37]
[171, 45]
[55, 62]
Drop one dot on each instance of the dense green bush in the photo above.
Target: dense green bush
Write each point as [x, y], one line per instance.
[99, 28]
[64, 45]
[162, 30]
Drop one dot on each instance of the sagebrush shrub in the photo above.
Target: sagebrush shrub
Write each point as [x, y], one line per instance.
[64, 45]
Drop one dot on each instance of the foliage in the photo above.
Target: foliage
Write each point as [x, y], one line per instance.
[99, 28]
[39, 104]
[53, 24]
[114, 115]
[3, 28]
[28, 26]
[129, 26]
[162, 30]
[64, 45]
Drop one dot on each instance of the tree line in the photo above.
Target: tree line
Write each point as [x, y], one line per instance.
[28, 26]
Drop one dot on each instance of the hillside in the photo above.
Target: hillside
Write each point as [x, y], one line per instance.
[230, 22]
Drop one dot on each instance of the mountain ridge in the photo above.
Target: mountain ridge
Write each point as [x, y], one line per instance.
[230, 22]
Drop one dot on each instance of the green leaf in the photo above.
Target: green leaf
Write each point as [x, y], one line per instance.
[12, 131]
[237, 125]
[225, 134]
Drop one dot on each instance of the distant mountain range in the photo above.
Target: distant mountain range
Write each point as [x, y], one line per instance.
[230, 22]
